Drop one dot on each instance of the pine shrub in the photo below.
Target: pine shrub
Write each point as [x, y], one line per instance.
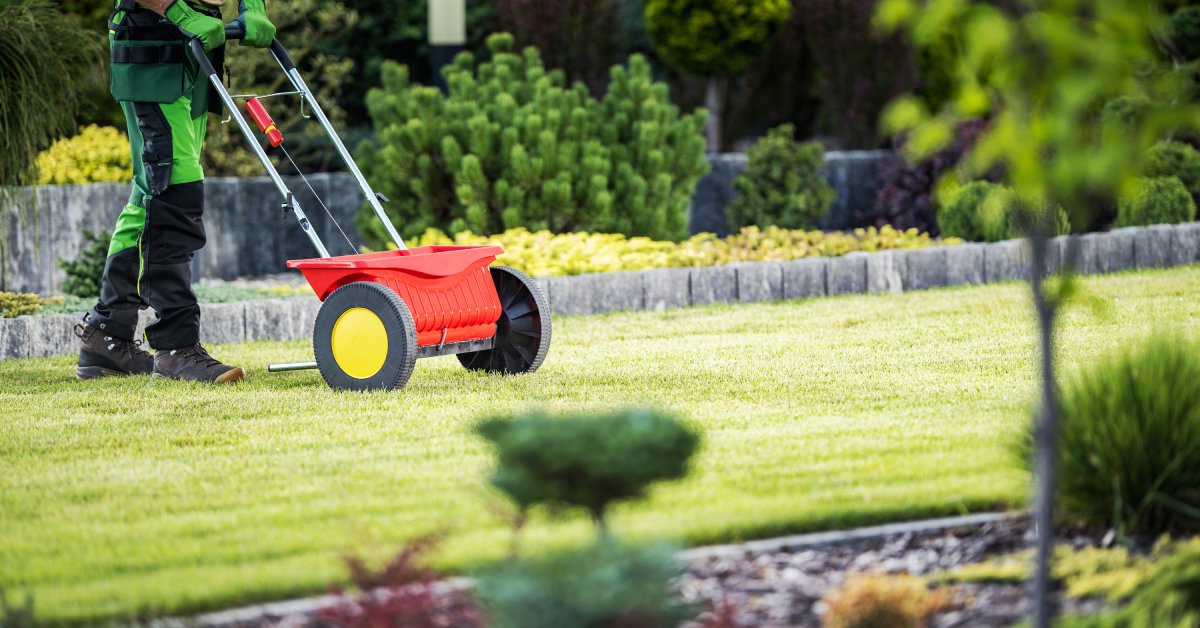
[1130, 441]
[982, 211]
[14, 304]
[97, 154]
[590, 461]
[513, 146]
[1175, 159]
[85, 272]
[1157, 201]
[605, 585]
[782, 184]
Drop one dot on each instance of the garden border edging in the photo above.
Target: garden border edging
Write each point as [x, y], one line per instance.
[892, 271]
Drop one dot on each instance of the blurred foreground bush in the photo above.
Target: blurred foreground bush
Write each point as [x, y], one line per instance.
[512, 146]
[542, 253]
[97, 154]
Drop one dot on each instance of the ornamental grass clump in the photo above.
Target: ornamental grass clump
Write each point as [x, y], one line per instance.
[1131, 441]
[588, 461]
[882, 601]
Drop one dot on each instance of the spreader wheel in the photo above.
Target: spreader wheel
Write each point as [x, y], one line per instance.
[365, 338]
[523, 331]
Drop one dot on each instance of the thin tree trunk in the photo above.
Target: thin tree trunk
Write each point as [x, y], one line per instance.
[1046, 441]
[712, 102]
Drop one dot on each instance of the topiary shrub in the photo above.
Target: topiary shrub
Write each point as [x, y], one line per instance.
[588, 461]
[1124, 111]
[982, 211]
[1175, 159]
[606, 585]
[84, 273]
[14, 304]
[782, 184]
[879, 601]
[512, 146]
[1156, 201]
[961, 217]
[1184, 29]
[1130, 441]
[97, 154]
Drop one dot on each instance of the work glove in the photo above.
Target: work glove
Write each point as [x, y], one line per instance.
[210, 30]
[260, 32]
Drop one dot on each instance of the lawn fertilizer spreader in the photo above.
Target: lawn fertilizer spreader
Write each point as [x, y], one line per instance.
[382, 311]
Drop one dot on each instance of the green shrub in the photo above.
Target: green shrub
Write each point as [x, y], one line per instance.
[782, 184]
[84, 274]
[1184, 28]
[588, 461]
[95, 155]
[14, 304]
[1169, 596]
[1175, 159]
[708, 38]
[1124, 112]
[511, 146]
[605, 585]
[981, 211]
[1130, 441]
[1157, 200]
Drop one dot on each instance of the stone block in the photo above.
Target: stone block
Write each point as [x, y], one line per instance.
[759, 281]
[14, 338]
[304, 311]
[225, 229]
[51, 335]
[1006, 261]
[222, 322]
[714, 284]
[1115, 250]
[964, 264]
[886, 271]
[1152, 246]
[543, 284]
[804, 278]
[270, 319]
[1185, 244]
[667, 287]
[926, 268]
[714, 192]
[847, 274]
[596, 293]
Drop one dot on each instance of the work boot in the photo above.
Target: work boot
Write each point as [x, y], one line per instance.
[193, 364]
[105, 356]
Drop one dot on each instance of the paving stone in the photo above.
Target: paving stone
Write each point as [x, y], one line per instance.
[598, 292]
[804, 278]
[51, 335]
[1006, 261]
[1114, 250]
[759, 281]
[926, 268]
[667, 287]
[1089, 253]
[270, 319]
[1185, 244]
[304, 311]
[714, 284]
[885, 272]
[14, 337]
[1152, 246]
[847, 274]
[964, 264]
[222, 322]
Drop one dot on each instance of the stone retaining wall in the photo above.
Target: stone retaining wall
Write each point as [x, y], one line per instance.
[249, 235]
[1159, 246]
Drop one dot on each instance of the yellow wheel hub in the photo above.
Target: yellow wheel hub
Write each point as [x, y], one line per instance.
[360, 343]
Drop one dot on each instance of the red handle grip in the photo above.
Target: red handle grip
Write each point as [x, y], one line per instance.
[264, 122]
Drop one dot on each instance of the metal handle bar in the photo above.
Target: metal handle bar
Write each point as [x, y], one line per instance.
[237, 31]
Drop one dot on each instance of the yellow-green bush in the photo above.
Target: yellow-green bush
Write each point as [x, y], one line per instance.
[542, 253]
[14, 304]
[97, 154]
[882, 601]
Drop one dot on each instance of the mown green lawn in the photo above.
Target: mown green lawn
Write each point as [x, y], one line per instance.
[128, 497]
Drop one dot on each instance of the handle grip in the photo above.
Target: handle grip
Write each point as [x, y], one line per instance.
[235, 30]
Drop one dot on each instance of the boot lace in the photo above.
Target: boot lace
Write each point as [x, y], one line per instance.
[130, 348]
[198, 353]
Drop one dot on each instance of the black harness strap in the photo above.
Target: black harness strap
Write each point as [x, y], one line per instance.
[168, 53]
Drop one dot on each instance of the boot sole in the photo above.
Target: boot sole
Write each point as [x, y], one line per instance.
[235, 374]
[84, 373]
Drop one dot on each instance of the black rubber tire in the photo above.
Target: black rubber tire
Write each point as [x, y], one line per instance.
[397, 322]
[523, 331]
